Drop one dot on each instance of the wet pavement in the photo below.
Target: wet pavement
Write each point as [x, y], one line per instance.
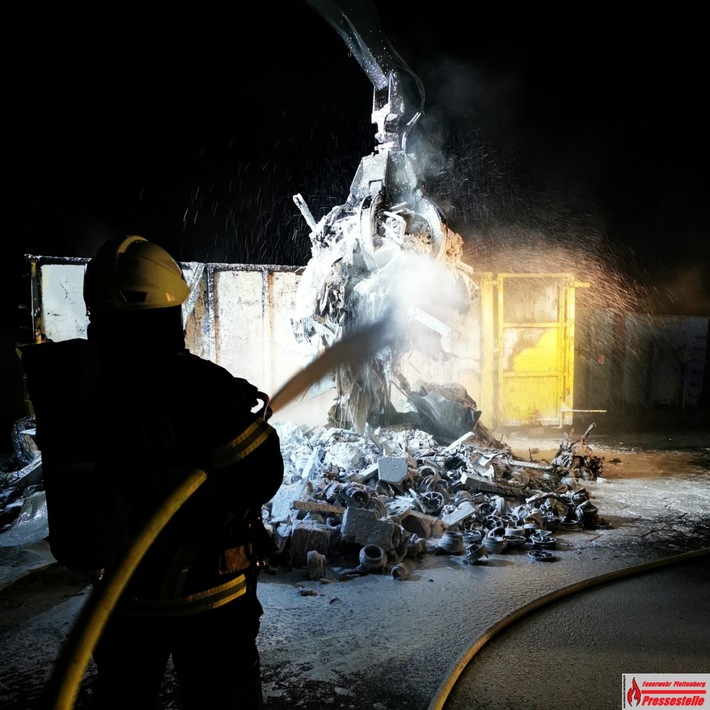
[573, 653]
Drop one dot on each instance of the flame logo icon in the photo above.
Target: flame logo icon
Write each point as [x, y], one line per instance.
[634, 693]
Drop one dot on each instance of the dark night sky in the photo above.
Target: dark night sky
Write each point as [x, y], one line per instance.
[194, 124]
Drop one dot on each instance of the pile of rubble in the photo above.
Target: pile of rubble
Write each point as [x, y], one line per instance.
[371, 501]
[20, 476]
[395, 493]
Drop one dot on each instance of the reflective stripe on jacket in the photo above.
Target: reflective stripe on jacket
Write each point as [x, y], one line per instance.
[192, 604]
[171, 600]
[242, 445]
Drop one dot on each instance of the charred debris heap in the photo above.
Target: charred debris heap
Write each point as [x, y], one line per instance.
[376, 502]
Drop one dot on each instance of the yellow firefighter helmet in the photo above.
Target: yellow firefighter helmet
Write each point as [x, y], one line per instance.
[132, 274]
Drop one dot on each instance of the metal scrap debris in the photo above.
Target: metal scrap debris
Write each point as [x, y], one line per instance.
[21, 476]
[577, 458]
[400, 490]
[397, 492]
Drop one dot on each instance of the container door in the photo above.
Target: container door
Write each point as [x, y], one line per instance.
[536, 349]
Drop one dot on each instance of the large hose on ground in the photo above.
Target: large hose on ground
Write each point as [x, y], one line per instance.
[458, 668]
[63, 686]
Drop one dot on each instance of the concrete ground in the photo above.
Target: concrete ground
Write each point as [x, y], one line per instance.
[371, 641]
[573, 652]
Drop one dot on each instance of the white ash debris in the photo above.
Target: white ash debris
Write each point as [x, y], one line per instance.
[400, 490]
[397, 488]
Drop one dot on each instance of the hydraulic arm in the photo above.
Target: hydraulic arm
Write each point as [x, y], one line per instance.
[362, 250]
[358, 24]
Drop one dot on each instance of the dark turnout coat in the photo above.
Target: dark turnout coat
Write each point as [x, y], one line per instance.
[118, 435]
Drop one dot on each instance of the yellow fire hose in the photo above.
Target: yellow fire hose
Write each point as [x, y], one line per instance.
[459, 667]
[63, 686]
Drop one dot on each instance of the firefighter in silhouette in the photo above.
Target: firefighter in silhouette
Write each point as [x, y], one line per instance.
[122, 417]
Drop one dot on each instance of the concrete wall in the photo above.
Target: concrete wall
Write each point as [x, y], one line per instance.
[630, 364]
